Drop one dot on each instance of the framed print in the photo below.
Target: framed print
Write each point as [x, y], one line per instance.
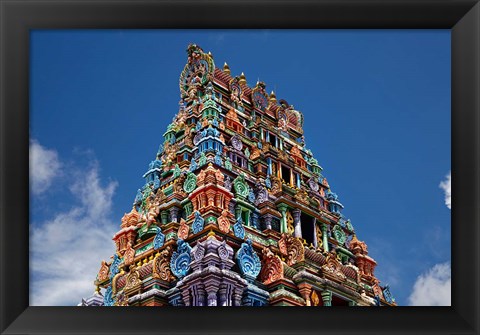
[232, 184]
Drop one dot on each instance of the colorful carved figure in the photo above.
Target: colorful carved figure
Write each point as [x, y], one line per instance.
[248, 261]
[180, 262]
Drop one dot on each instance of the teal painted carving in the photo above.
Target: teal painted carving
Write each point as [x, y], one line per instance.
[114, 266]
[159, 239]
[193, 165]
[198, 223]
[228, 164]
[248, 260]
[240, 186]
[251, 196]
[190, 183]
[177, 171]
[180, 262]
[218, 159]
[108, 297]
[202, 160]
[238, 229]
[339, 234]
[388, 295]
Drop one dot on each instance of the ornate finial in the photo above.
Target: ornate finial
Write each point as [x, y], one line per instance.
[226, 68]
[242, 79]
[273, 97]
[211, 234]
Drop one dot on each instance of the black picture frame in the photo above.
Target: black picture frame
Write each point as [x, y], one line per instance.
[17, 17]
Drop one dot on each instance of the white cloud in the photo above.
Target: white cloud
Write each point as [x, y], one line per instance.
[44, 167]
[66, 251]
[446, 187]
[433, 288]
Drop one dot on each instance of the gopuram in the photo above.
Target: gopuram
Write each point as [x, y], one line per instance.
[235, 211]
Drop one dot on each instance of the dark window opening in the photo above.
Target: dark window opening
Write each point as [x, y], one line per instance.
[286, 174]
[337, 301]
[273, 140]
[276, 224]
[308, 230]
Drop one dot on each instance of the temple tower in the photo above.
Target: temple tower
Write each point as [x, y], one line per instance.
[235, 210]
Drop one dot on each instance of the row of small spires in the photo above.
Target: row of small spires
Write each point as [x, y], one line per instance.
[243, 80]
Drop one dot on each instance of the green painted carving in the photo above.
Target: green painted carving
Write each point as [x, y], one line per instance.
[228, 164]
[349, 225]
[171, 236]
[247, 152]
[177, 171]
[211, 219]
[188, 207]
[202, 160]
[339, 234]
[240, 186]
[141, 250]
[190, 183]
[164, 217]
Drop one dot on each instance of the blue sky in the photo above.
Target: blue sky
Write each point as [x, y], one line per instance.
[377, 117]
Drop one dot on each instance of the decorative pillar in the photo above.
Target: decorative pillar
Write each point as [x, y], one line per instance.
[325, 236]
[174, 214]
[305, 291]
[200, 296]
[298, 180]
[269, 162]
[255, 222]
[222, 296]
[237, 297]
[231, 206]
[296, 222]
[283, 224]
[315, 241]
[211, 296]
[268, 221]
[327, 298]
[238, 212]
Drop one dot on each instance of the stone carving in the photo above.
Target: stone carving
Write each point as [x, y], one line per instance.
[180, 261]
[228, 183]
[183, 229]
[161, 265]
[198, 223]
[114, 266]
[339, 234]
[159, 239]
[272, 267]
[190, 183]
[103, 273]
[241, 186]
[248, 260]
[292, 248]
[224, 222]
[108, 297]
[133, 279]
[238, 229]
[129, 254]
